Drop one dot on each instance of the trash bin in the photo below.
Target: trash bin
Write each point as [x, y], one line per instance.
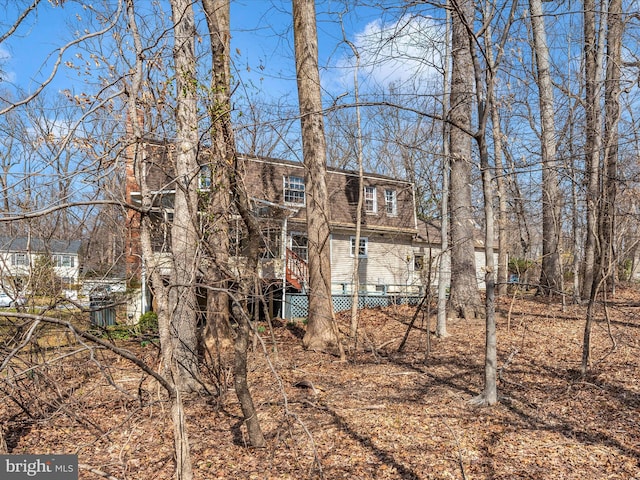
[103, 313]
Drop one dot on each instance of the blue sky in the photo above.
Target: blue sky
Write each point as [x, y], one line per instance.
[262, 42]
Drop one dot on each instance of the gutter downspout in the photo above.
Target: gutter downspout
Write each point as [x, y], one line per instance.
[284, 264]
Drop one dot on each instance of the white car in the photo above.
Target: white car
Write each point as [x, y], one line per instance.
[8, 301]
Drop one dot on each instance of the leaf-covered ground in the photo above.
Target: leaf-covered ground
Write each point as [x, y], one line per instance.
[380, 415]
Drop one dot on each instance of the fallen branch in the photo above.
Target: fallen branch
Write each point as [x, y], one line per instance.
[97, 471]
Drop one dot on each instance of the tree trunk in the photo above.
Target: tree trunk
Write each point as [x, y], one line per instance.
[503, 254]
[355, 279]
[593, 140]
[184, 231]
[464, 298]
[444, 268]
[321, 332]
[604, 279]
[218, 204]
[490, 393]
[611, 122]
[229, 176]
[551, 272]
[137, 174]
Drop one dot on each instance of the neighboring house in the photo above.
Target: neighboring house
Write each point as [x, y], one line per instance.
[393, 250]
[19, 256]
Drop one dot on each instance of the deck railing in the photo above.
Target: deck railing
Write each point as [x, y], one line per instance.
[297, 270]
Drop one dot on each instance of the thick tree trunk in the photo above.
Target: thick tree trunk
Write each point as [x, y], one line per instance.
[218, 207]
[321, 332]
[551, 272]
[464, 298]
[184, 232]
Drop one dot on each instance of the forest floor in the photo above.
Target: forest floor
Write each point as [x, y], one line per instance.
[379, 415]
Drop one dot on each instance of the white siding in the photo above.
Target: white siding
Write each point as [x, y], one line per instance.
[389, 261]
[7, 267]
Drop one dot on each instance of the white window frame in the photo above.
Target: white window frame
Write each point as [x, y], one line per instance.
[204, 178]
[64, 261]
[370, 199]
[24, 259]
[363, 251]
[294, 189]
[300, 250]
[391, 202]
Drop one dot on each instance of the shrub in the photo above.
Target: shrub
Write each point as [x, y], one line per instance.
[148, 323]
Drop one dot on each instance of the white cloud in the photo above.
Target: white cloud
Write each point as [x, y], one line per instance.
[407, 51]
[6, 75]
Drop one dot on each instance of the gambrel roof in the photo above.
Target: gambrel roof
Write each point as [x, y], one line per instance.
[264, 181]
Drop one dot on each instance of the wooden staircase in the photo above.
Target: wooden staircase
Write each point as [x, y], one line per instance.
[297, 270]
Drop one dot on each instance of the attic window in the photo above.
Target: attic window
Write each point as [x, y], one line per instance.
[370, 200]
[294, 190]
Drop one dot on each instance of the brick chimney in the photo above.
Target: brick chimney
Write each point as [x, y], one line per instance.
[134, 151]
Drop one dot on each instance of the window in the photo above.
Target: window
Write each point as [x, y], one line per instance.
[19, 260]
[63, 261]
[161, 222]
[370, 201]
[300, 245]
[270, 242]
[204, 180]
[294, 190]
[364, 244]
[390, 202]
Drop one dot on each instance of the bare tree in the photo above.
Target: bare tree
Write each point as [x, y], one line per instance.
[464, 299]
[184, 232]
[168, 341]
[593, 137]
[322, 334]
[551, 273]
[445, 260]
[218, 172]
[228, 176]
[485, 79]
[604, 277]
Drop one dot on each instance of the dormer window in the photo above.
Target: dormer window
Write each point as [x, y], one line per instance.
[370, 200]
[294, 190]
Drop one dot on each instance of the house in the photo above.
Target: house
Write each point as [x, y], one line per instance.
[21, 256]
[394, 249]
[388, 222]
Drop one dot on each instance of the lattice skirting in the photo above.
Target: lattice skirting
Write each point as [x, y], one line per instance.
[297, 304]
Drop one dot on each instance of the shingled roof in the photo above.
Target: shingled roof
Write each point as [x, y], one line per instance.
[39, 245]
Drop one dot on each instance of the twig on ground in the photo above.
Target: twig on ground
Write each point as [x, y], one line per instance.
[455, 438]
[97, 471]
